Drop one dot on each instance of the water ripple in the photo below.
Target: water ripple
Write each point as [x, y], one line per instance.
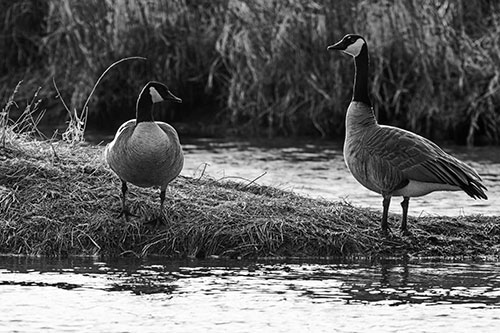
[243, 296]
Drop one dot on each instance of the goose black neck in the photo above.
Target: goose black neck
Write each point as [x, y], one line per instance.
[144, 108]
[360, 93]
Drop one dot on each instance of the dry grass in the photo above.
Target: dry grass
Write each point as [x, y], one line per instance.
[262, 66]
[61, 199]
[27, 122]
[78, 120]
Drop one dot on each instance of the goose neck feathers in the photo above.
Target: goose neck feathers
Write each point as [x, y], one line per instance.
[359, 116]
[355, 46]
[360, 92]
[144, 108]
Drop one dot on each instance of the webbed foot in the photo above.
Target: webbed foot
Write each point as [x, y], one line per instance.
[405, 232]
[386, 232]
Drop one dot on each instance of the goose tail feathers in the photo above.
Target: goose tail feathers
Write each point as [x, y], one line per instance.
[475, 189]
[468, 180]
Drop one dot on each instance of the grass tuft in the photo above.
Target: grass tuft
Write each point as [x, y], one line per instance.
[27, 122]
[75, 131]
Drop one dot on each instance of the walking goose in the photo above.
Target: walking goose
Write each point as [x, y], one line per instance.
[392, 161]
[145, 152]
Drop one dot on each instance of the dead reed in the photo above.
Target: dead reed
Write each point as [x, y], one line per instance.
[261, 67]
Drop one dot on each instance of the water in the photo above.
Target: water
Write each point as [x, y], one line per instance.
[156, 295]
[317, 169]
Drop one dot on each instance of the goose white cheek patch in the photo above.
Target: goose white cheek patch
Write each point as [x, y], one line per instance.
[355, 48]
[155, 95]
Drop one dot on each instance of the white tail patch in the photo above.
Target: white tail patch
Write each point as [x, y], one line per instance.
[418, 189]
[355, 48]
[155, 95]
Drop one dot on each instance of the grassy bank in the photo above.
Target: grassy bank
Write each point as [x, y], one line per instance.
[261, 67]
[58, 199]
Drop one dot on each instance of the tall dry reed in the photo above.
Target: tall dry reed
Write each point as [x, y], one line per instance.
[261, 67]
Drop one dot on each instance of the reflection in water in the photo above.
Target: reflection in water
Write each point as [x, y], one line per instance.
[226, 295]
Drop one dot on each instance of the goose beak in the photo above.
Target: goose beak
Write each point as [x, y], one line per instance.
[337, 46]
[174, 98]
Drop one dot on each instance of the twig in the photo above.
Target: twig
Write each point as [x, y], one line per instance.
[203, 171]
[60, 96]
[4, 115]
[126, 252]
[253, 181]
[93, 241]
[250, 182]
[78, 123]
[84, 109]
[54, 151]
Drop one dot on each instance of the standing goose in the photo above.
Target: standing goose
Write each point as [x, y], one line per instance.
[145, 152]
[392, 161]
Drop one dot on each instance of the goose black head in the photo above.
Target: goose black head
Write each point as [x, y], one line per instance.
[350, 44]
[153, 92]
[158, 92]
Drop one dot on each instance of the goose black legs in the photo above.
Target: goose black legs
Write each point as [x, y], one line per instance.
[125, 212]
[160, 219]
[124, 192]
[162, 216]
[385, 213]
[162, 200]
[404, 205]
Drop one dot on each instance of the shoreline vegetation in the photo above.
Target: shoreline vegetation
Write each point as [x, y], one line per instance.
[260, 68]
[60, 199]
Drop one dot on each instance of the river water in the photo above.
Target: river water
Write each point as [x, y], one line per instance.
[293, 295]
[317, 169]
[156, 295]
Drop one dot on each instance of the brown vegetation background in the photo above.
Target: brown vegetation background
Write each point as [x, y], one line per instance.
[260, 68]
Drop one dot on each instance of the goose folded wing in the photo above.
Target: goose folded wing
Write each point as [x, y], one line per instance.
[422, 160]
